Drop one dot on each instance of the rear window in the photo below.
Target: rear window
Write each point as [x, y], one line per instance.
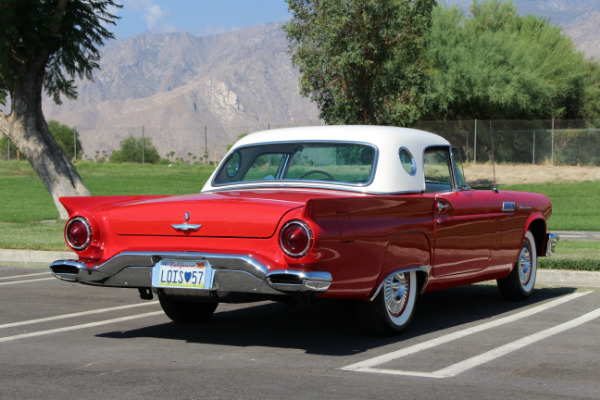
[340, 163]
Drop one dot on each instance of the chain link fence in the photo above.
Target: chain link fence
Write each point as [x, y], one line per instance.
[550, 142]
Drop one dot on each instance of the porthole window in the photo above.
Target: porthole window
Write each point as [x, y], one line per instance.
[408, 161]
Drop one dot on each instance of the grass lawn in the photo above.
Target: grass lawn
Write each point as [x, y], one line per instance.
[24, 198]
[28, 216]
[27, 212]
[580, 255]
[575, 206]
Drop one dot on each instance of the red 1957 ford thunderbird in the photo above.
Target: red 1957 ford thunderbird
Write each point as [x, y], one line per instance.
[377, 215]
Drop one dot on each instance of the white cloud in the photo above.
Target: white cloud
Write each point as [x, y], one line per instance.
[154, 15]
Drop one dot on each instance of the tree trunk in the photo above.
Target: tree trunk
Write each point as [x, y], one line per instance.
[27, 129]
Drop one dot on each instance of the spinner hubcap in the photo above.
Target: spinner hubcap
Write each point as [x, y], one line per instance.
[396, 293]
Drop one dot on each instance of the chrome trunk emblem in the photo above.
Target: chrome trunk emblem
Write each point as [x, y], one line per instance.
[185, 227]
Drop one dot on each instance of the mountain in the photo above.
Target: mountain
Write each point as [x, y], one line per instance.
[177, 85]
[580, 19]
[585, 32]
[561, 12]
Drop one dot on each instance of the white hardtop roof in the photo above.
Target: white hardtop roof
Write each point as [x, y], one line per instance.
[390, 176]
[379, 136]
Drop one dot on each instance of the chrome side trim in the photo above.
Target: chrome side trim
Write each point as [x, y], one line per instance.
[280, 185]
[423, 268]
[551, 241]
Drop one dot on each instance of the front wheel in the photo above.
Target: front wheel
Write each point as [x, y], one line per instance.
[518, 285]
[187, 312]
[391, 311]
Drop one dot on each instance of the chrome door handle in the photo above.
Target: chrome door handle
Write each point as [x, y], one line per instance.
[442, 207]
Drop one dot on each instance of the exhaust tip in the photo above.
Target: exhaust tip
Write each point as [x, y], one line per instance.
[66, 270]
[300, 281]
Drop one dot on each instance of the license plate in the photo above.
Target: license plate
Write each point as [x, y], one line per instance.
[185, 274]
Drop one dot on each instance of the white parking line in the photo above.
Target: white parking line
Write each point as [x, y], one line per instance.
[76, 327]
[5, 278]
[516, 345]
[370, 364]
[73, 315]
[25, 281]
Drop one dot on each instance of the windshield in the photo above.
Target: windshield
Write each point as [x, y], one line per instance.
[340, 163]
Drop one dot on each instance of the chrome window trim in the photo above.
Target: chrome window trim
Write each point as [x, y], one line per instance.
[453, 178]
[454, 169]
[297, 185]
[453, 186]
[287, 161]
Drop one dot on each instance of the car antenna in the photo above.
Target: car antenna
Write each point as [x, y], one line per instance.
[495, 189]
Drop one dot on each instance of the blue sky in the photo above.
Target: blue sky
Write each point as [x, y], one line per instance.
[210, 17]
[199, 17]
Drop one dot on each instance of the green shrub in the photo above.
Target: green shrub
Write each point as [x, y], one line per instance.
[131, 151]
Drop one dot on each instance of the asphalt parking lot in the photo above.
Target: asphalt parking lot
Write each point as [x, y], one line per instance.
[65, 340]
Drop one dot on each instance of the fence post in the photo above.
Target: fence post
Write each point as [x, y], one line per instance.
[533, 157]
[475, 145]
[552, 141]
[467, 147]
[143, 144]
[206, 155]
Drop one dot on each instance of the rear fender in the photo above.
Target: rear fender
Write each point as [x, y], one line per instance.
[405, 252]
[77, 204]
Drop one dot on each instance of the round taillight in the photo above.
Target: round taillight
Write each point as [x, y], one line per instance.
[78, 233]
[295, 238]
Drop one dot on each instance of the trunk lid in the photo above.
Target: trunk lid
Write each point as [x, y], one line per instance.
[228, 214]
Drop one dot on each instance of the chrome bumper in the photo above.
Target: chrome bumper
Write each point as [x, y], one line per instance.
[232, 273]
[551, 241]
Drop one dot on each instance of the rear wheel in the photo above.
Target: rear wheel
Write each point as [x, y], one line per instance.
[184, 311]
[391, 311]
[518, 285]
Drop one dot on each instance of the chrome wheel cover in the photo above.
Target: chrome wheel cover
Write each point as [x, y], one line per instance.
[397, 292]
[525, 264]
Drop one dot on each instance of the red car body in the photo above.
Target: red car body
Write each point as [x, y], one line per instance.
[281, 238]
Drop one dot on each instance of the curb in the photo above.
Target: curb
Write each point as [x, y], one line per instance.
[557, 277]
[35, 256]
[545, 277]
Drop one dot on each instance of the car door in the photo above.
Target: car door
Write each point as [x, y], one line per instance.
[462, 226]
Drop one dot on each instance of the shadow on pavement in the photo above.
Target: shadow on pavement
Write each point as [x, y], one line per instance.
[329, 328]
